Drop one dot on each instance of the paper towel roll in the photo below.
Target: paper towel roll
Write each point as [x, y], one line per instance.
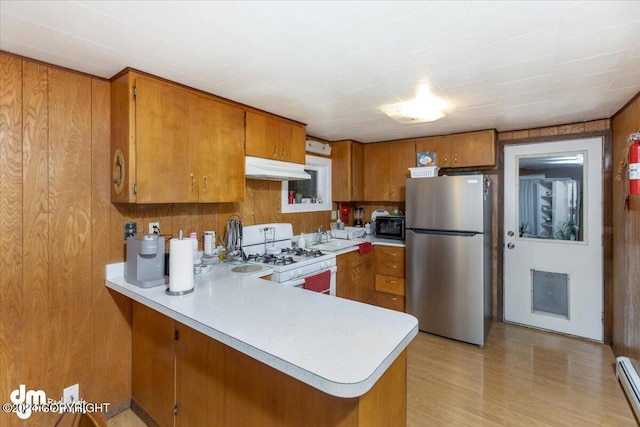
[180, 265]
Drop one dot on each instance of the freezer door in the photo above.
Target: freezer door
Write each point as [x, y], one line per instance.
[446, 284]
[446, 203]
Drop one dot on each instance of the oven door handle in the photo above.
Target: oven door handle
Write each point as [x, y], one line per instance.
[300, 281]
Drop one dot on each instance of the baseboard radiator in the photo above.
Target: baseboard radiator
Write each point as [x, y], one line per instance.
[630, 381]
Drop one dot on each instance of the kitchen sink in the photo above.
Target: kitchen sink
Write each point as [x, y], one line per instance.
[337, 244]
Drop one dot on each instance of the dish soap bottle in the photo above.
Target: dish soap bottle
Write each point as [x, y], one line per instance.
[302, 242]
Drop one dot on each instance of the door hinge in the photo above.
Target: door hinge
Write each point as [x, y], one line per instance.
[176, 335]
[134, 92]
[134, 189]
[175, 410]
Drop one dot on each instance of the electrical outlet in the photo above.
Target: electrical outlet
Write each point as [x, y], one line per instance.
[130, 229]
[71, 393]
[154, 228]
[334, 214]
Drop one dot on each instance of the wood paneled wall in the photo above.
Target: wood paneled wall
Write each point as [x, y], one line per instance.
[59, 325]
[261, 205]
[626, 243]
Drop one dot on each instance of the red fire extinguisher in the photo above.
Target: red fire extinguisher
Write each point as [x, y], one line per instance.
[634, 164]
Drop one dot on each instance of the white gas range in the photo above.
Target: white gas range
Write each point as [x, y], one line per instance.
[271, 244]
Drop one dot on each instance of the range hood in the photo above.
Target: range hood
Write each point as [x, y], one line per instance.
[274, 170]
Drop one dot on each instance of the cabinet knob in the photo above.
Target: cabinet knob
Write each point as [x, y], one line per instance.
[193, 182]
[204, 189]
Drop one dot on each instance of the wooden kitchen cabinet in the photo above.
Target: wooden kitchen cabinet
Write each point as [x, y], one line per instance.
[386, 168]
[169, 362]
[390, 277]
[355, 277]
[274, 138]
[199, 379]
[183, 378]
[347, 177]
[221, 152]
[153, 363]
[463, 150]
[171, 144]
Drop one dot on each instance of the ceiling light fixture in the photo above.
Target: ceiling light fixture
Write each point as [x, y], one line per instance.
[425, 107]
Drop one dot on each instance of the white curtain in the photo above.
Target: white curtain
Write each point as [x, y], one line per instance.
[528, 203]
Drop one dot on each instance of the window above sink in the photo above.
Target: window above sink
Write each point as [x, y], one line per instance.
[311, 195]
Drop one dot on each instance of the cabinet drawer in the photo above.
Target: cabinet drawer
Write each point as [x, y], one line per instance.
[390, 284]
[390, 261]
[390, 301]
[352, 259]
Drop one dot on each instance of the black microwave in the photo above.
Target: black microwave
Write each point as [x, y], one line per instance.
[389, 227]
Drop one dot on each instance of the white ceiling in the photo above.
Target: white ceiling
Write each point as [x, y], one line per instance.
[331, 64]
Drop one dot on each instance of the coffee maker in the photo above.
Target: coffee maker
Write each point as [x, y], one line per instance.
[358, 214]
[145, 261]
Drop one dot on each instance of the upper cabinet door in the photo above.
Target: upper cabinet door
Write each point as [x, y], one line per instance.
[172, 144]
[341, 170]
[347, 158]
[262, 136]
[462, 150]
[376, 172]
[402, 156]
[276, 139]
[357, 171]
[386, 167]
[221, 152]
[166, 149]
[475, 148]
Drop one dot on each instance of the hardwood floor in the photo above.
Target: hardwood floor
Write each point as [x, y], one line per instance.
[522, 377]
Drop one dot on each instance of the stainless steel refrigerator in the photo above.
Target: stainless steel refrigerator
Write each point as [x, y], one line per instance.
[448, 268]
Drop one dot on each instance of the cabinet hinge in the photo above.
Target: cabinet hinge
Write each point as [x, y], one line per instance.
[134, 189]
[134, 92]
[175, 410]
[176, 335]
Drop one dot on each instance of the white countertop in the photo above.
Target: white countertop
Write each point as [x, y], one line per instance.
[374, 241]
[338, 346]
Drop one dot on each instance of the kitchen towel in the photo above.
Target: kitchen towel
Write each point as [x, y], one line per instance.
[180, 265]
[318, 283]
[364, 248]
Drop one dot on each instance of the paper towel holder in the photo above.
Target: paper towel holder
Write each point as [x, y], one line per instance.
[178, 293]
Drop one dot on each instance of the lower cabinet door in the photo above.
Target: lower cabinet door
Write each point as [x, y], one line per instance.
[153, 363]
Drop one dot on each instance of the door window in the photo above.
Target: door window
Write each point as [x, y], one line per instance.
[550, 189]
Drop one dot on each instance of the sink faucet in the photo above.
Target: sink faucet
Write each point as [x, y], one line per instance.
[319, 234]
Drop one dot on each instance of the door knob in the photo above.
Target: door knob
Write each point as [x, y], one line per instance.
[510, 233]
[510, 245]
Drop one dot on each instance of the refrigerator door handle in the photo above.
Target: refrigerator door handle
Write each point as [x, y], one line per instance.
[448, 233]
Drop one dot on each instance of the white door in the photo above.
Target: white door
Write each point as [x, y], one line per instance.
[553, 236]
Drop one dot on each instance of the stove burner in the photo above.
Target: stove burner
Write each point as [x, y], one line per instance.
[285, 260]
[311, 253]
[271, 259]
[314, 253]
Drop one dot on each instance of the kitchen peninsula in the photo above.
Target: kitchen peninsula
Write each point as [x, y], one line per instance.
[252, 352]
